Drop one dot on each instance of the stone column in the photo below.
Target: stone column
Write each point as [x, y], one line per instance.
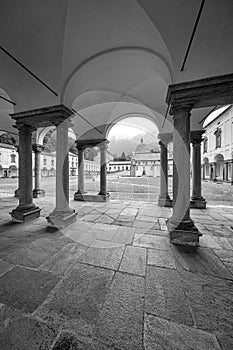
[232, 172]
[214, 171]
[197, 201]
[17, 190]
[226, 171]
[164, 198]
[62, 215]
[103, 170]
[38, 192]
[180, 226]
[81, 182]
[26, 209]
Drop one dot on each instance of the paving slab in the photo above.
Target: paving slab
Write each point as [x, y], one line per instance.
[225, 340]
[161, 258]
[76, 301]
[5, 267]
[65, 259]
[105, 219]
[104, 254]
[26, 289]
[202, 261]
[121, 319]
[134, 261]
[34, 254]
[162, 334]
[124, 235]
[151, 241]
[226, 256]
[211, 301]
[68, 341]
[27, 334]
[165, 295]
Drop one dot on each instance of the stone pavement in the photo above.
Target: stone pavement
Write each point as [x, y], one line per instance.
[113, 281]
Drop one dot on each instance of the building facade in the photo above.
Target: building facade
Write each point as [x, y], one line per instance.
[114, 166]
[144, 162]
[9, 163]
[217, 146]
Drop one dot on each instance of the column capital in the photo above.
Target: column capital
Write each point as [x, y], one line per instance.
[37, 148]
[183, 108]
[25, 127]
[196, 136]
[103, 145]
[165, 138]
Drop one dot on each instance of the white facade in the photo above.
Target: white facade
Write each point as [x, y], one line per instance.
[114, 166]
[9, 163]
[217, 147]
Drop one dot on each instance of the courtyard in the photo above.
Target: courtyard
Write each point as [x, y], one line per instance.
[112, 280]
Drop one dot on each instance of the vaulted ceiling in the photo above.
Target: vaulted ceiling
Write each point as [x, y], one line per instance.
[96, 53]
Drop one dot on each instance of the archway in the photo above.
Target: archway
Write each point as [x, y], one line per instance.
[220, 171]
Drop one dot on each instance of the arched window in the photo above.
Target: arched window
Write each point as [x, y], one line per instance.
[218, 135]
[205, 145]
[13, 156]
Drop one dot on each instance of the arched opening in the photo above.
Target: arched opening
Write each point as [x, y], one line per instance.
[206, 169]
[220, 171]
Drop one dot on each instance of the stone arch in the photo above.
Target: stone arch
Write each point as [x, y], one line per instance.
[220, 171]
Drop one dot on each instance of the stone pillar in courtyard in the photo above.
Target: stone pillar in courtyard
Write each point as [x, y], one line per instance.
[213, 172]
[26, 209]
[180, 226]
[197, 201]
[37, 192]
[103, 170]
[62, 215]
[17, 190]
[232, 172]
[164, 198]
[81, 180]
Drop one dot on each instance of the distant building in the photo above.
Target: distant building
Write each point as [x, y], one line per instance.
[9, 162]
[114, 166]
[217, 146]
[144, 162]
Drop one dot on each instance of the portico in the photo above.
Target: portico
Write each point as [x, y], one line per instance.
[182, 99]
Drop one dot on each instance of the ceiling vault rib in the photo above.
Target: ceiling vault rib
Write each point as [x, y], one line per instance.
[3, 98]
[27, 70]
[193, 34]
[87, 121]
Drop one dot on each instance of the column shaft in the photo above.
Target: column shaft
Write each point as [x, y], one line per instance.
[38, 192]
[103, 170]
[180, 225]
[81, 183]
[164, 198]
[26, 209]
[62, 168]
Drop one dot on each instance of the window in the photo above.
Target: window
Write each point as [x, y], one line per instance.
[52, 162]
[13, 156]
[218, 135]
[45, 161]
[205, 144]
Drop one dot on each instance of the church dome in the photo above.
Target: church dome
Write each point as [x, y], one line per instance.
[141, 147]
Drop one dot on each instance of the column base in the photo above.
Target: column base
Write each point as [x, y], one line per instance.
[22, 214]
[165, 201]
[38, 193]
[88, 197]
[185, 233]
[199, 203]
[59, 219]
